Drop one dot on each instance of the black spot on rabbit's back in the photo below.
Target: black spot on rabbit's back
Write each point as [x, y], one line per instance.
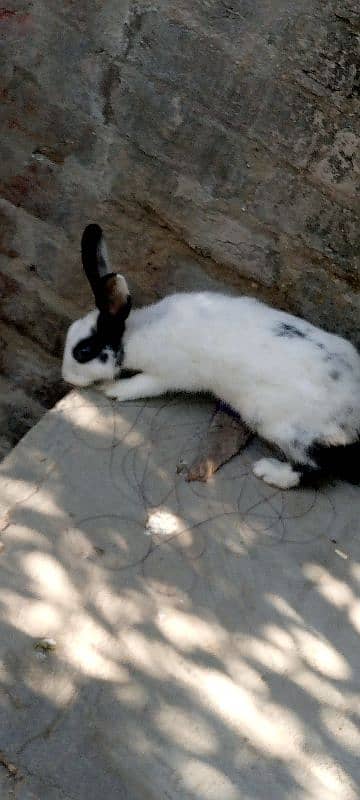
[287, 331]
[338, 361]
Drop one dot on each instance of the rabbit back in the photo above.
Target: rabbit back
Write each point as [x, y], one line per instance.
[291, 382]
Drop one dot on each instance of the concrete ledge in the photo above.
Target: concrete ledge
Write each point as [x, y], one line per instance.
[205, 637]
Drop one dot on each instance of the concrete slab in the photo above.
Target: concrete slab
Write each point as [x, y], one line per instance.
[206, 636]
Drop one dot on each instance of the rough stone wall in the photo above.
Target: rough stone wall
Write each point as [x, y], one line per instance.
[217, 142]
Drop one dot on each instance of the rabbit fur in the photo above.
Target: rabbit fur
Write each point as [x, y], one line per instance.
[293, 384]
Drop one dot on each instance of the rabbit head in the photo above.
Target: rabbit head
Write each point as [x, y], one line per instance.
[93, 348]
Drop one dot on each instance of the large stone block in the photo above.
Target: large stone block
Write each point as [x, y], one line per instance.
[36, 313]
[214, 141]
[198, 67]
[43, 250]
[337, 167]
[30, 367]
[18, 413]
[325, 48]
[288, 203]
[314, 292]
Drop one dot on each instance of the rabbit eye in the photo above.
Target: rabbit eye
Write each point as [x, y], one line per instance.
[86, 350]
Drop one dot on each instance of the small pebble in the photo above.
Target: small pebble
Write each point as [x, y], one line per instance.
[181, 466]
[45, 644]
[161, 522]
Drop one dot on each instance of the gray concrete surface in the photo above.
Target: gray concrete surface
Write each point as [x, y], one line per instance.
[207, 635]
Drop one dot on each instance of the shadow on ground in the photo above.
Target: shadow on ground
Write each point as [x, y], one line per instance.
[207, 636]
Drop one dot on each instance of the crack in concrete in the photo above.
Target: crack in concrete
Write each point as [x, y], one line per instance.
[51, 727]
[9, 766]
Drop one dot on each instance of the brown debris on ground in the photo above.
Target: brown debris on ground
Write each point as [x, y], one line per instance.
[225, 437]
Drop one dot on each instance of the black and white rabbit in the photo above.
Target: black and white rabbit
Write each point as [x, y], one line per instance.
[293, 384]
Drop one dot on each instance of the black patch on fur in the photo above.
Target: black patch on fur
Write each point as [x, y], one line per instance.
[119, 355]
[130, 373]
[222, 406]
[103, 357]
[93, 264]
[289, 331]
[310, 477]
[87, 349]
[334, 374]
[339, 361]
[340, 461]
[330, 462]
[108, 336]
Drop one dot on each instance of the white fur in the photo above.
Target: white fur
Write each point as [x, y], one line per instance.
[288, 389]
[276, 473]
[85, 374]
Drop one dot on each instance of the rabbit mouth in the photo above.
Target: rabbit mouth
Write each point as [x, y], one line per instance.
[80, 383]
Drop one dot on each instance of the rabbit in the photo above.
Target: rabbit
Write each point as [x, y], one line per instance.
[293, 384]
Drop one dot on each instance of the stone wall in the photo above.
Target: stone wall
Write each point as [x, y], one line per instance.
[217, 142]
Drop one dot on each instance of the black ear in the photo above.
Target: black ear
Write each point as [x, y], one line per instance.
[94, 256]
[113, 296]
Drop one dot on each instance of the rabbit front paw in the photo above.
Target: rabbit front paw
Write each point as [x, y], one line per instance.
[109, 388]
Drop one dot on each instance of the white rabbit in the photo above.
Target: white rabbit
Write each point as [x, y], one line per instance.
[293, 384]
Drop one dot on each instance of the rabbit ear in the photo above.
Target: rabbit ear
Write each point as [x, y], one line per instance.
[94, 256]
[110, 290]
[113, 296]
